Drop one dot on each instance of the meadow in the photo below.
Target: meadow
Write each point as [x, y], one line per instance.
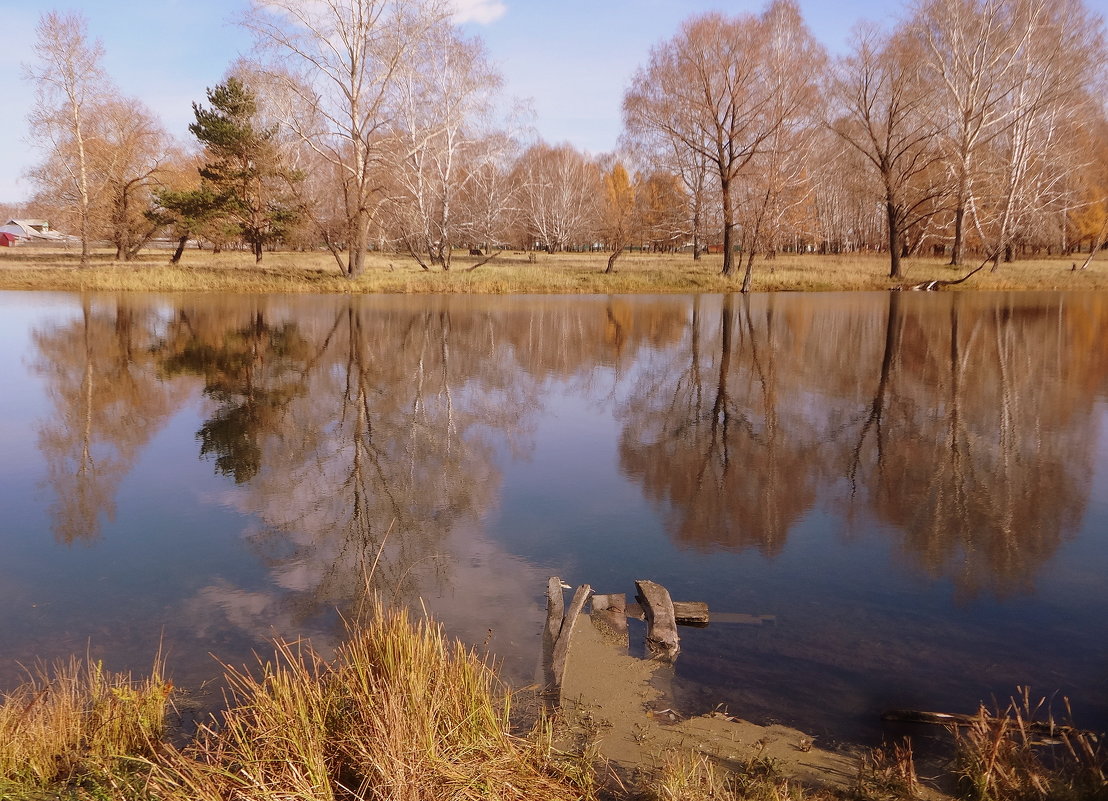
[514, 272]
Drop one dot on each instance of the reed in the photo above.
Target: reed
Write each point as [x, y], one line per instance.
[1004, 756]
[688, 776]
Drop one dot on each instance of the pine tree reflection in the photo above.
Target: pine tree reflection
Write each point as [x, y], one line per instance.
[251, 370]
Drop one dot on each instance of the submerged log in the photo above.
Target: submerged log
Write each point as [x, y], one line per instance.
[955, 719]
[661, 634]
[686, 613]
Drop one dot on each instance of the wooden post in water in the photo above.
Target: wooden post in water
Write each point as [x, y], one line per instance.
[661, 634]
[559, 632]
[555, 613]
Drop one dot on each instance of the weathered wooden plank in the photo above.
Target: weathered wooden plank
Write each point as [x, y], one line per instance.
[565, 634]
[661, 634]
[555, 608]
[555, 612]
[690, 613]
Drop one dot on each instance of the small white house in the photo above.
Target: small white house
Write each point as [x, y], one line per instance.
[32, 229]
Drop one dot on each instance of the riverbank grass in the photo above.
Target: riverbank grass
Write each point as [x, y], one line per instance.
[79, 726]
[402, 712]
[511, 273]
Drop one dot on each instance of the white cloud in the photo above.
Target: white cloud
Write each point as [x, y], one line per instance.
[483, 12]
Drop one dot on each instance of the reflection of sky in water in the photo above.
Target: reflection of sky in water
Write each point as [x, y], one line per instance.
[541, 458]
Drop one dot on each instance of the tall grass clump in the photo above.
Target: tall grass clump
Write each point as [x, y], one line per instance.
[1019, 753]
[77, 726]
[399, 713]
[689, 776]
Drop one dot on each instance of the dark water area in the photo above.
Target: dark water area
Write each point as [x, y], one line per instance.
[914, 487]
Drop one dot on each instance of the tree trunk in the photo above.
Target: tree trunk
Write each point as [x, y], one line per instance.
[180, 249]
[894, 239]
[357, 242]
[747, 276]
[696, 233]
[612, 261]
[728, 229]
[959, 233]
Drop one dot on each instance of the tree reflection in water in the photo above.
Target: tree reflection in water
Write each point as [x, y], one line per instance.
[368, 437]
[956, 423]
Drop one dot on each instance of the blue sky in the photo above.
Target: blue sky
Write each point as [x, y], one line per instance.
[572, 59]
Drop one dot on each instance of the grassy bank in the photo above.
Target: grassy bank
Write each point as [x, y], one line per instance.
[32, 268]
[401, 712]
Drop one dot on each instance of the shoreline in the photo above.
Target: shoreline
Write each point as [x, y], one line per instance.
[513, 272]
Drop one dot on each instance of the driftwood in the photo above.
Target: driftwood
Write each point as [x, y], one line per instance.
[937, 284]
[954, 719]
[661, 634]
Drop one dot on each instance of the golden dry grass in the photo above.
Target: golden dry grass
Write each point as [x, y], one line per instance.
[78, 725]
[35, 268]
[400, 712]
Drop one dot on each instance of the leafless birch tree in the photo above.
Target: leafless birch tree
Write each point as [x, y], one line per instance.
[339, 61]
[69, 81]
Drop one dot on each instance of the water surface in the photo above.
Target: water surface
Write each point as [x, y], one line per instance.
[914, 486]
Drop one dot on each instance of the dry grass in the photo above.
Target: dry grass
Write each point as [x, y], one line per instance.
[399, 713]
[687, 776]
[1004, 756]
[512, 272]
[78, 726]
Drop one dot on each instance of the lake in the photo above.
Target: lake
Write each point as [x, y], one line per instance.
[912, 488]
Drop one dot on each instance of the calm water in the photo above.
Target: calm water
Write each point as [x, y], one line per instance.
[915, 486]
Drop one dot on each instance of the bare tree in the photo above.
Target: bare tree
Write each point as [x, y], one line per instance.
[970, 47]
[338, 63]
[69, 81]
[444, 92]
[129, 157]
[882, 109]
[618, 218]
[557, 188]
[712, 92]
[1053, 74]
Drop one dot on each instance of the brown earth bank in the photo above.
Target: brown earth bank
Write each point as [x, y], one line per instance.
[515, 272]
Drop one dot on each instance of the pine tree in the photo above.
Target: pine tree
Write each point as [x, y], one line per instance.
[244, 169]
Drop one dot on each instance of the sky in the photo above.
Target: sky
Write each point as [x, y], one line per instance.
[571, 60]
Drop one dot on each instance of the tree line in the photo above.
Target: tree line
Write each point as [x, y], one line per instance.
[973, 129]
